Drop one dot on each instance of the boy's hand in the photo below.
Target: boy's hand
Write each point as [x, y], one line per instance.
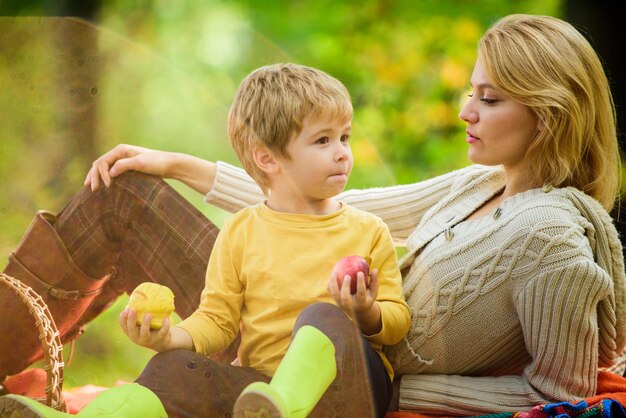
[158, 340]
[361, 306]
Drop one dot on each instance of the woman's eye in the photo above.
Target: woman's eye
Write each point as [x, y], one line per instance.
[483, 99]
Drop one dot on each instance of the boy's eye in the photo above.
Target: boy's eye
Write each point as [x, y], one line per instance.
[345, 138]
[322, 140]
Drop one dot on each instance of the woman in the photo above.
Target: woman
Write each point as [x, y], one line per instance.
[514, 271]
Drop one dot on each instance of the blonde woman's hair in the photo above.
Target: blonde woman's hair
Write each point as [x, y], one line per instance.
[271, 105]
[546, 64]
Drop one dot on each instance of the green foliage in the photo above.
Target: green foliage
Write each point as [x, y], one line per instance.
[162, 74]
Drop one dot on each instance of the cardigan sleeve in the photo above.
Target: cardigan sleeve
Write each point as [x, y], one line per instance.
[558, 313]
[233, 189]
[400, 207]
[559, 316]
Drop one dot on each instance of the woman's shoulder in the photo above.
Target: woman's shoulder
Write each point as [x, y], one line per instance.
[545, 212]
[557, 207]
[552, 199]
[474, 179]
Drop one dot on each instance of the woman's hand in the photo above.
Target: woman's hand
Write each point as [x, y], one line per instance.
[127, 157]
[193, 171]
[361, 306]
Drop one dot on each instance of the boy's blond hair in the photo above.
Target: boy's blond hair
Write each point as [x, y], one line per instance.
[271, 105]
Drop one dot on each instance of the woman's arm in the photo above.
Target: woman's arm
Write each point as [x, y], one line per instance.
[558, 311]
[232, 189]
[400, 207]
[195, 172]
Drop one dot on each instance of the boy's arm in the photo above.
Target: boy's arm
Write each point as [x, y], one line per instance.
[380, 311]
[180, 339]
[361, 306]
[165, 339]
[370, 320]
[214, 325]
[395, 316]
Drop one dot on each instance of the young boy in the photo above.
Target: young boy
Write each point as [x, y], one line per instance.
[290, 127]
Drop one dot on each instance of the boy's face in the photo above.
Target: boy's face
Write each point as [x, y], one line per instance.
[320, 160]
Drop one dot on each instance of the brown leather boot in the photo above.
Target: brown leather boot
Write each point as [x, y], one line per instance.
[42, 262]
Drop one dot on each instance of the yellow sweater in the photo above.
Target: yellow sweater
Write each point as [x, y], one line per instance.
[267, 266]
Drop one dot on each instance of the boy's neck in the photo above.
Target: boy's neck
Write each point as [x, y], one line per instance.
[302, 206]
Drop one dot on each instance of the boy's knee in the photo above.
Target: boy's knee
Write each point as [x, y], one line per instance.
[162, 363]
[165, 371]
[321, 310]
[326, 317]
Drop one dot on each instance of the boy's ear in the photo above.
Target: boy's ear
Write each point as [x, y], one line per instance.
[264, 159]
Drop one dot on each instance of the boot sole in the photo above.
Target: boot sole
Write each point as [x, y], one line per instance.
[13, 408]
[254, 404]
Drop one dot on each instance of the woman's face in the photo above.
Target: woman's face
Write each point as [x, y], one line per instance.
[499, 129]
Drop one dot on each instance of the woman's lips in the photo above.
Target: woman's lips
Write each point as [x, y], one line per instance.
[470, 139]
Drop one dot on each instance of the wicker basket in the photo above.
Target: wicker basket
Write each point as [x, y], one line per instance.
[49, 337]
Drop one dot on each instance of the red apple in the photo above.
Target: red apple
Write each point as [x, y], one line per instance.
[350, 266]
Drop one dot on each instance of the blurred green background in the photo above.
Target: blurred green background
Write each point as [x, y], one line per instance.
[162, 74]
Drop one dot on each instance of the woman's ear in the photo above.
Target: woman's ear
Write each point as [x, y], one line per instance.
[540, 125]
[264, 159]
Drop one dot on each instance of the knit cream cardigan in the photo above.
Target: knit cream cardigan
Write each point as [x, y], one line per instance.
[514, 309]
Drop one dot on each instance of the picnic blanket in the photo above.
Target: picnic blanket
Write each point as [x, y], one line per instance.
[609, 401]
